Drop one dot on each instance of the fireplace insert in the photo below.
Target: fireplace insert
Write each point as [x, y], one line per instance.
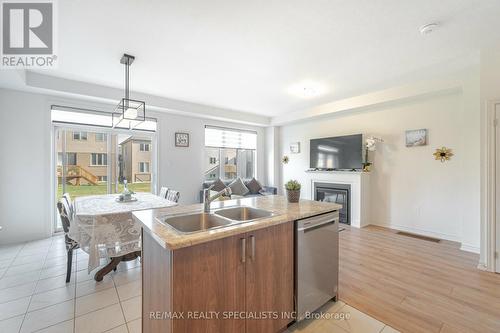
[337, 193]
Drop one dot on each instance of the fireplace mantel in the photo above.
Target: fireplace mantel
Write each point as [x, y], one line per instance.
[359, 193]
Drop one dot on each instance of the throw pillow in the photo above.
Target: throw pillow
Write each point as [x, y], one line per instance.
[238, 187]
[218, 185]
[254, 186]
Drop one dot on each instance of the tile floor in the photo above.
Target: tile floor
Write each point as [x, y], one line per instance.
[35, 298]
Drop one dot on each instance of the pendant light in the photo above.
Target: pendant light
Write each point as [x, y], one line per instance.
[129, 113]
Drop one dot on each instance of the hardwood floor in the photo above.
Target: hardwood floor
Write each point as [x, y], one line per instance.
[415, 285]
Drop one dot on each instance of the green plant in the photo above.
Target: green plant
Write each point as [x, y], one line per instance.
[292, 185]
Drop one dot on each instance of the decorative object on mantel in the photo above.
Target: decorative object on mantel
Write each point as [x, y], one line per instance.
[415, 138]
[129, 112]
[443, 154]
[285, 159]
[370, 145]
[292, 191]
[126, 195]
[295, 147]
[181, 139]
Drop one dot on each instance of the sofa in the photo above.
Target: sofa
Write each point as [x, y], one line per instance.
[266, 190]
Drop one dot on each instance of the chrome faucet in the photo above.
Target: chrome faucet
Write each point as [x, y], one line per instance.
[207, 199]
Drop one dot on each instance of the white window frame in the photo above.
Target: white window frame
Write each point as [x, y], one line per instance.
[104, 156]
[142, 169]
[80, 136]
[104, 137]
[143, 146]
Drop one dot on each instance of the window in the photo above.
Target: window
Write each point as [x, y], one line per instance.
[80, 136]
[99, 159]
[144, 147]
[229, 153]
[144, 167]
[102, 178]
[101, 137]
[70, 159]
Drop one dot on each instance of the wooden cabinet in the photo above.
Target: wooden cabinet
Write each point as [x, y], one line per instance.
[250, 274]
[209, 278]
[269, 277]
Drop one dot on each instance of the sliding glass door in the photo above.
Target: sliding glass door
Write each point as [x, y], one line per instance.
[94, 161]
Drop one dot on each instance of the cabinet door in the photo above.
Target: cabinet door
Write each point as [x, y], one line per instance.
[269, 277]
[209, 278]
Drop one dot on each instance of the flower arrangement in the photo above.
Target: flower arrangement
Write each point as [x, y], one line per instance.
[370, 145]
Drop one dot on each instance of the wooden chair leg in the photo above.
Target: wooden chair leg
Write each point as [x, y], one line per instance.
[70, 263]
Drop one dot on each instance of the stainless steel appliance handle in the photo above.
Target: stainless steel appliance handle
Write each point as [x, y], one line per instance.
[243, 249]
[316, 226]
[252, 247]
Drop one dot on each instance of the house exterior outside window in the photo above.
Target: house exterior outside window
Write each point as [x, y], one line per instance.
[229, 153]
[80, 136]
[143, 167]
[99, 159]
[101, 137]
[136, 160]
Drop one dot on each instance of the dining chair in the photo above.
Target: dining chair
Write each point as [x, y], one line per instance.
[173, 195]
[71, 211]
[71, 244]
[163, 192]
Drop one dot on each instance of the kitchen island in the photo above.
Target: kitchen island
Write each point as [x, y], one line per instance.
[233, 277]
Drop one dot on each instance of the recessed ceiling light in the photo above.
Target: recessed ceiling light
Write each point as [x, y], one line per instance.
[307, 89]
[428, 28]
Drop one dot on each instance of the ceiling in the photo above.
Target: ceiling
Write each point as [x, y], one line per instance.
[249, 55]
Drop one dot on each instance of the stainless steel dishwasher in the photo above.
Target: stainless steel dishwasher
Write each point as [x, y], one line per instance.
[317, 262]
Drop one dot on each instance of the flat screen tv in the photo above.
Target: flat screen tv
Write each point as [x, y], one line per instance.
[337, 153]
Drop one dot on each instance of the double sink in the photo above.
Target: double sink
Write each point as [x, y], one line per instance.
[196, 222]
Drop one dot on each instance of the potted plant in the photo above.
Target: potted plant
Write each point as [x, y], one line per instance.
[292, 190]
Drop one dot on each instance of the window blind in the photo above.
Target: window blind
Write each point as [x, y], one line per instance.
[220, 137]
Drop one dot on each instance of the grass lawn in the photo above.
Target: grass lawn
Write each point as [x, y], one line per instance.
[83, 190]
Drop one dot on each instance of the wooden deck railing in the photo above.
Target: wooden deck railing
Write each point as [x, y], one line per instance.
[77, 172]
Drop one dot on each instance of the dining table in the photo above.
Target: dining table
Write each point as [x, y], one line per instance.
[104, 228]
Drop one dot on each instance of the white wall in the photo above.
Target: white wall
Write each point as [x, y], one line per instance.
[25, 150]
[24, 167]
[409, 189]
[182, 168]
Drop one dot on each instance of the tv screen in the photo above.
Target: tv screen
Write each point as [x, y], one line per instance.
[339, 153]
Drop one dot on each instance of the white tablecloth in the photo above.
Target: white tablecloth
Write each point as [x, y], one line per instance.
[105, 228]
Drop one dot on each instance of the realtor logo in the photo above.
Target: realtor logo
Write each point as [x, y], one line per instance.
[28, 34]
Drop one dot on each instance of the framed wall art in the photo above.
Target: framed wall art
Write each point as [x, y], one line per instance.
[295, 147]
[181, 139]
[415, 138]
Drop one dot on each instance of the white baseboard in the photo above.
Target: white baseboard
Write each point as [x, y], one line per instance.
[469, 248]
[419, 231]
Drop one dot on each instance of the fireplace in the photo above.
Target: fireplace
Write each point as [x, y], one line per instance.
[337, 193]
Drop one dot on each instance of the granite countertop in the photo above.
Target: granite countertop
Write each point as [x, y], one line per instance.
[169, 238]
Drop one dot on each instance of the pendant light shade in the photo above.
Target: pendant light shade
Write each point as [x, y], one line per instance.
[129, 112]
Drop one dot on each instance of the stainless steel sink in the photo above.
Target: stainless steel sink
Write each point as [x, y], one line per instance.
[242, 213]
[190, 223]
